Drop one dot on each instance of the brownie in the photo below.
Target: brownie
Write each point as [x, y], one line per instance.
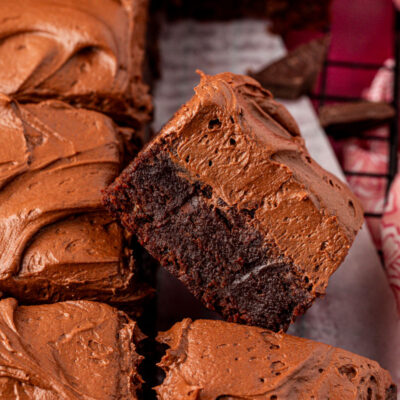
[89, 53]
[295, 74]
[285, 15]
[57, 242]
[228, 199]
[72, 350]
[342, 118]
[209, 360]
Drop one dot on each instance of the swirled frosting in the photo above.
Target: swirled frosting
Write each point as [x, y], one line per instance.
[67, 351]
[56, 241]
[87, 52]
[215, 360]
[233, 137]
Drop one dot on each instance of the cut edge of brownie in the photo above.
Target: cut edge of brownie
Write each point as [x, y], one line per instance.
[249, 286]
[129, 336]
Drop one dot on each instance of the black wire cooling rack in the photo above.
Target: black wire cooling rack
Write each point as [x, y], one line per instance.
[321, 96]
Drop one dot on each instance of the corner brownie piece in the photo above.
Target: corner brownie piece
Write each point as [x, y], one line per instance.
[228, 199]
[72, 350]
[209, 360]
[89, 53]
[57, 242]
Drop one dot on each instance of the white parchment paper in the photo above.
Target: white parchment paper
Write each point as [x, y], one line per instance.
[358, 312]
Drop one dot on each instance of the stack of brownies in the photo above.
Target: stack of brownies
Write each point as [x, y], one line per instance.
[225, 197]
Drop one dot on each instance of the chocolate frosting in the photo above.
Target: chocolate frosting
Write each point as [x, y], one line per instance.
[83, 51]
[215, 360]
[56, 241]
[67, 351]
[235, 138]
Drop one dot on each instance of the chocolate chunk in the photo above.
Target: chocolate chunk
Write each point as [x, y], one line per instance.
[342, 118]
[295, 74]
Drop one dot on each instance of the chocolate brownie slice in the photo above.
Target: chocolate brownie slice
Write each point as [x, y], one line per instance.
[57, 242]
[73, 350]
[228, 199]
[210, 360]
[89, 53]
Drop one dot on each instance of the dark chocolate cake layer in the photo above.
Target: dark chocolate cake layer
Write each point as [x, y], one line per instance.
[228, 199]
[89, 53]
[68, 351]
[215, 360]
[56, 240]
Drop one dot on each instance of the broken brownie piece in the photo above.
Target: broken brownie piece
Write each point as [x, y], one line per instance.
[57, 242]
[228, 199]
[217, 360]
[89, 53]
[72, 350]
[295, 74]
[342, 118]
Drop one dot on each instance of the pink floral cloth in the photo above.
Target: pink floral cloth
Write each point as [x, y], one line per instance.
[390, 229]
[360, 155]
[372, 156]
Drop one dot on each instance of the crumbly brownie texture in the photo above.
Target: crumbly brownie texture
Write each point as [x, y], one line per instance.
[342, 118]
[68, 351]
[228, 199]
[89, 53]
[56, 240]
[295, 74]
[285, 14]
[215, 360]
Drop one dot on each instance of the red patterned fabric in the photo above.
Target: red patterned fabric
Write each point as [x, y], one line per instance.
[372, 156]
[363, 156]
[391, 238]
[381, 88]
